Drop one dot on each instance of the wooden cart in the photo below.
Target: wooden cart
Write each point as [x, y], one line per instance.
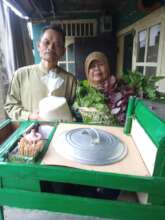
[20, 183]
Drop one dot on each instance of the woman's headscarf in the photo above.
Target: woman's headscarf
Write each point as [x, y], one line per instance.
[95, 56]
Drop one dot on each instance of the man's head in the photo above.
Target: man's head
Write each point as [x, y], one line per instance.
[52, 44]
[96, 68]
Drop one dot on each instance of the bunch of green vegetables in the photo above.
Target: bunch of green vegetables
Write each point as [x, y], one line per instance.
[89, 97]
[144, 86]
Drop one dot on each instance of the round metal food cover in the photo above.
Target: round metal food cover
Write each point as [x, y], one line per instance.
[91, 146]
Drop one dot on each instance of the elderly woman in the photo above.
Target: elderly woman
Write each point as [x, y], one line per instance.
[116, 92]
[97, 70]
[103, 92]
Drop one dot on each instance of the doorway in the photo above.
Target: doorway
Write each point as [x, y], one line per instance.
[128, 51]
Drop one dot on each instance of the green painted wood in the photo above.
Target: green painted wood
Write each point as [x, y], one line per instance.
[1, 213]
[129, 115]
[155, 128]
[21, 183]
[13, 138]
[159, 168]
[81, 206]
[152, 124]
[4, 123]
[84, 177]
[1, 207]
[24, 197]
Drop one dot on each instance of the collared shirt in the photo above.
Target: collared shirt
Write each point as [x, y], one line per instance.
[27, 89]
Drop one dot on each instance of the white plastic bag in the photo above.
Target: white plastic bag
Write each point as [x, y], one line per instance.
[53, 81]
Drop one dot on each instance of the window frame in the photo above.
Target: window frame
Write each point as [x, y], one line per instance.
[156, 17]
[67, 61]
[71, 35]
[145, 64]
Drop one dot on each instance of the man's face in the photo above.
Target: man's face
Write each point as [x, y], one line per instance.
[51, 46]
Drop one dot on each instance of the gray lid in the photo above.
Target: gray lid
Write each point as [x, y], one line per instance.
[91, 146]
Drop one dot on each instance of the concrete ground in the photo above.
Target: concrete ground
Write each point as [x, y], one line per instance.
[22, 214]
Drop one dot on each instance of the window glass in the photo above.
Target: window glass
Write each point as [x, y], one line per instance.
[68, 61]
[63, 65]
[141, 45]
[69, 30]
[148, 50]
[91, 29]
[87, 29]
[63, 58]
[70, 52]
[150, 70]
[140, 69]
[153, 43]
[71, 68]
[73, 29]
[64, 28]
[82, 30]
[78, 30]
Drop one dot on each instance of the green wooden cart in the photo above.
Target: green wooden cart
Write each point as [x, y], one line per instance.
[20, 184]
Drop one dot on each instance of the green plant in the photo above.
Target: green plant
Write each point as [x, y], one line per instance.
[87, 96]
[92, 105]
[143, 85]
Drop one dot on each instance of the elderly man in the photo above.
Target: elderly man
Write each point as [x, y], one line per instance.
[28, 87]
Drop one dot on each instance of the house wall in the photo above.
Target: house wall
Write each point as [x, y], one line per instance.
[127, 15]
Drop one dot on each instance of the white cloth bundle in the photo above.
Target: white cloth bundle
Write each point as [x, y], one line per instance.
[53, 81]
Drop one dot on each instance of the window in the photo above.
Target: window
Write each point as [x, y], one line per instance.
[147, 50]
[79, 28]
[68, 60]
[148, 46]
[72, 29]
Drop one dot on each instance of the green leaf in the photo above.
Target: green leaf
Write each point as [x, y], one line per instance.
[87, 96]
[142, 84]
[85, 83]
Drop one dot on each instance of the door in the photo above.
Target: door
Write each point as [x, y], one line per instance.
[84, 46]
[128, 50]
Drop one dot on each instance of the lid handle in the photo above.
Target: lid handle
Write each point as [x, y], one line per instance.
[94, 135]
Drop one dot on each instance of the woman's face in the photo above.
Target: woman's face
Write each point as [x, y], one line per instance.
[98, 72]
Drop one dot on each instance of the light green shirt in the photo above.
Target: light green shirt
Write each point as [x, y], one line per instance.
[27, 89]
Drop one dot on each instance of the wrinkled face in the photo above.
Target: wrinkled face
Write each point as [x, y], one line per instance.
[98, 72]
[51, 46]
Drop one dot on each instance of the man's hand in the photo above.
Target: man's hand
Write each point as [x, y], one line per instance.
[34, 116]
